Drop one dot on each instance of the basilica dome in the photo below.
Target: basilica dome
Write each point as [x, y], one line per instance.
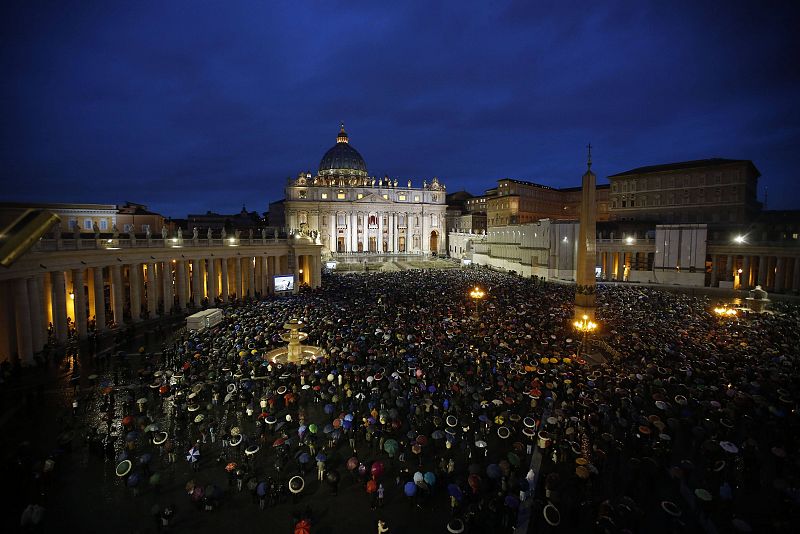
[342, 158]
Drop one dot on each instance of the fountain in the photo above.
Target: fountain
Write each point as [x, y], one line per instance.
[295, 351]
[757, 301]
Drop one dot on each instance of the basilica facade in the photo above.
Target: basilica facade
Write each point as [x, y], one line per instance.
[349, 211]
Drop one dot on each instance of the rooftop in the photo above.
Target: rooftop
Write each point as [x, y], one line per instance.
[694, 164]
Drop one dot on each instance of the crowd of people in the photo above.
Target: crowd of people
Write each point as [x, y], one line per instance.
[676, 419]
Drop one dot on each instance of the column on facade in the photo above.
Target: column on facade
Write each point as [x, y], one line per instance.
[237, 267]
[59, 306]
[116, 294]
[151, 288]
[606, 274]
[264, 274]
[22, 317]
[135, 282]
[224, 280]
[180, 282]
[380, 232]
[80, 303]
[251, 277]
[619, 266]
[167, 287]
[771, 267]
[35, 309]
[211, 280]
[780, 273]
[351, 232]
[99, 299]
[762, 271]
[197, 292]
[744, 278]
[271, 272]
[795, 274]
[43, 296]
[715, 269]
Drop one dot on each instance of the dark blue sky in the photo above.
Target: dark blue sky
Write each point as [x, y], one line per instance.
[195, 106]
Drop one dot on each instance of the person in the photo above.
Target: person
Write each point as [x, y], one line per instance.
[380, 495]
[382, 526]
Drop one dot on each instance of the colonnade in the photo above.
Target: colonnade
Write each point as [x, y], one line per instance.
[107, 292]
[616, 264]
[773, 272]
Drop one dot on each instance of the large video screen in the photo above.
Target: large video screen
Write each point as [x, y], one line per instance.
[284, 283]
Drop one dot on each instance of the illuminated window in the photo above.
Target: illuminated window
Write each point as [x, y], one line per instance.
[73, 223]
[103, 224]
[340, 195]
[401, 196]
[360, 196]
[87, 224]
[385, 196]
[416, 198]
[324, 196]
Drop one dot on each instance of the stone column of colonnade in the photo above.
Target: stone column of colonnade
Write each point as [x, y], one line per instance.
[780, 273]
[43, 308]
[98, 281]
[22, 314]
[152, 291]
[116, 295]
[251, 276]
[762, 271]
[135, 282]
[59, 288]
[211, 281]
[796, 275]
[35, 309]
[379, 244]
[744, 278]
[606, 258]
[180, 282]
[80, 303]
[353, 232]
[197, 293]
[224, 287]
[237, 266]
[167, 295]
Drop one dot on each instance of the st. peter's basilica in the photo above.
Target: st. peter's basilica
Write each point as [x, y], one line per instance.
[351, 211]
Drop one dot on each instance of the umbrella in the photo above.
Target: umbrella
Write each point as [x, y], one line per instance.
[230, 467]
[132, 436]
[296, 484]
[141, 400]
[127, 420]
[727, 446]
[280, 441]
[474, 482]
[199, 418]
[513, 459]
[480, 444]
[332, 476]
[304, 458]
[313, 428]
[372, 486]
[352, 463]
[261, 489]
[329, 409]
[454, 491]
[144, 459]
[321, 457]
[328, 428]
[155, 479]
[152, 427]
[193, 456]
[377, 469]
[418, 477]
[437, 434]
[159, 438]
[493, 471]
[124, 468]
[410, 489]
[391, 446]
[133, 480]
[430, 478]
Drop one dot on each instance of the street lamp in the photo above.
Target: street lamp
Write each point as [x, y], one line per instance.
[724, 311]
[585, 327]
[477, 294]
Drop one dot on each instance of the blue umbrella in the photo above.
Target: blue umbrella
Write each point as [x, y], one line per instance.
[122, 456]
[329, 409]
[144, 458]
[410, 489]
[347, 425]
[132, 436]
[301, 430]
[321, 457]
[493, 471]
[455, 491]
[328, 428]
[304, 458]
[430, 478]
[348, 417]
[437, 434]
[133, 480]
[261, 489]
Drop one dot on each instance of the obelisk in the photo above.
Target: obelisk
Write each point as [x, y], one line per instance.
[587, 247]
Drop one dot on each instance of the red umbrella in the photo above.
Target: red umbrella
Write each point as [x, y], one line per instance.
[278, 442]
[422, 440]
[163, 389]
[337, 423]
[127, 420]
[186, 366]
[372, 486]
[474, 482]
